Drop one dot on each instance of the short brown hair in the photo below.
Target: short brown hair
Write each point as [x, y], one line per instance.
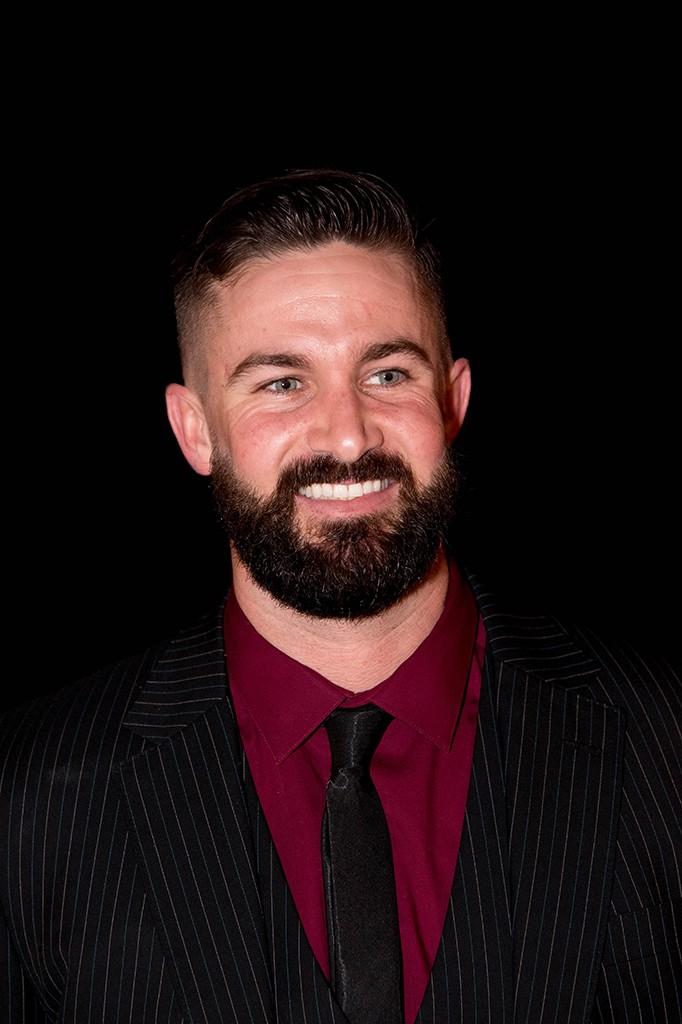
[298, 210]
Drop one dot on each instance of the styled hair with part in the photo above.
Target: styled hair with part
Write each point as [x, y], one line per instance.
[298, 210]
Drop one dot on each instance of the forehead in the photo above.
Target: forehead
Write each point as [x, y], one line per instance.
[328, 294]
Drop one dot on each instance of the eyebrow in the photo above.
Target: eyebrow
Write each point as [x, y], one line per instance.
[379, 350]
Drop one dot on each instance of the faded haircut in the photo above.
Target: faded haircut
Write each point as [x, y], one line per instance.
[298, 210]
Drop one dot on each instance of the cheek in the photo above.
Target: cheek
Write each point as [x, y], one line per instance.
[420, 436]
[261, 443]
[258, 444]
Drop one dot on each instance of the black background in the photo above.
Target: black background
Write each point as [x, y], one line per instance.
[555, 221]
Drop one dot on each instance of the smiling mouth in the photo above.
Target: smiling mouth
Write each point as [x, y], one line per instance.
[343, 492]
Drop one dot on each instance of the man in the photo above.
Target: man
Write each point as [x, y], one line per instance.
[359, 789]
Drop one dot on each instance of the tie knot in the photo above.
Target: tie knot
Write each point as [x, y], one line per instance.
[354, 735]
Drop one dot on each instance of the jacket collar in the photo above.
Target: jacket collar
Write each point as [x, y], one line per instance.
[557, 780]
[189, 674]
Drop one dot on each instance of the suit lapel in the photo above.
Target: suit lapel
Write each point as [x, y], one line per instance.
[187, 808]
[472, 975]
[541, 813]
[562, 759]
[564, 788]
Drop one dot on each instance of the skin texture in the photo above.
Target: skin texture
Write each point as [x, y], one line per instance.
[326, 306]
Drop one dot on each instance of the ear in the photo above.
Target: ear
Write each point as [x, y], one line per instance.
[188, 420]
[456, 399]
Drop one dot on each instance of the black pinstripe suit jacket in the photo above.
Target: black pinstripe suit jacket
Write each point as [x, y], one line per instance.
[139, 882]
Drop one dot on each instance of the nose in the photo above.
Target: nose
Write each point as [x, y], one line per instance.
[343, 426]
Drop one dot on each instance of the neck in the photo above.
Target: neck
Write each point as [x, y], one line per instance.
[355, 655]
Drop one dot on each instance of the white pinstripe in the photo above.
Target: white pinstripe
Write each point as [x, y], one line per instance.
[69, 915]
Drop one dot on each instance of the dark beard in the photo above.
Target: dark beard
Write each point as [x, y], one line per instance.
[347, 568]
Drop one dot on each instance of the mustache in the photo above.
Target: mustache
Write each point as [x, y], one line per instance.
[325, 469]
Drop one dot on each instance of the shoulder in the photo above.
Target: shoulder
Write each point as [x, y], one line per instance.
[587, 659]
[631, 672]
[57, 756]
[62, 732]
[595, 658]
[608, 676]
[85, 728]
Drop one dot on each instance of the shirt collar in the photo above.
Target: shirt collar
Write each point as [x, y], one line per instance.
[288, 701]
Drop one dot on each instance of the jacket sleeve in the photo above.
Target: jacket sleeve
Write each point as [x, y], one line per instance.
[18, 1001]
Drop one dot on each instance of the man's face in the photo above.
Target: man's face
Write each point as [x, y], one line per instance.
[330, 463]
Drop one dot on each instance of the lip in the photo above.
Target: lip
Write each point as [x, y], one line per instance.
[325, 507]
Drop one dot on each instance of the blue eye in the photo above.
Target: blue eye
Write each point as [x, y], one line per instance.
[283, 385]
[390, 376]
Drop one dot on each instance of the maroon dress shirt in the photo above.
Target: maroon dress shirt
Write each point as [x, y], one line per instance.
[421, 768]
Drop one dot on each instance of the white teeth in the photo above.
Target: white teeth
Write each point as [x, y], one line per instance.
[343, 492]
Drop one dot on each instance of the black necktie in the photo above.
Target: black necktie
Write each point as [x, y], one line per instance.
[362, 913]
